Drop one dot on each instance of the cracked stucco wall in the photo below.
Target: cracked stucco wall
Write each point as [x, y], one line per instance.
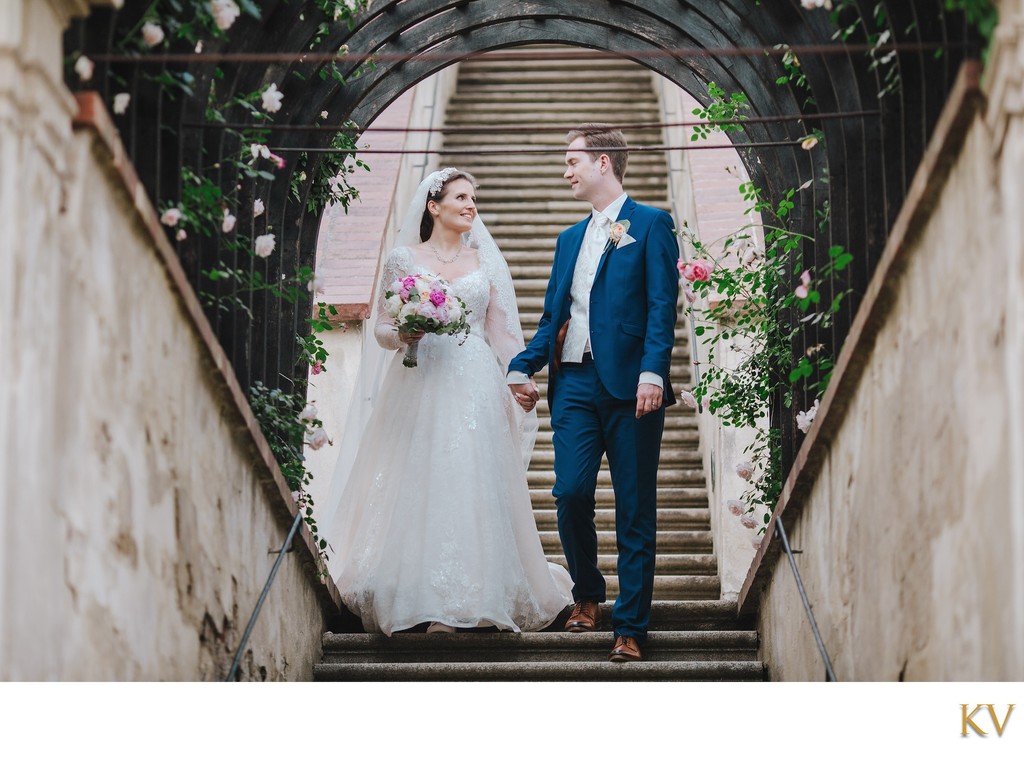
[136, 517]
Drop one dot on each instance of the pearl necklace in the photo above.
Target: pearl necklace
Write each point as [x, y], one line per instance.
[437, 254]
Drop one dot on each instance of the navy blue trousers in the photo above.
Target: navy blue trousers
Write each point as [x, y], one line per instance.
[588, 422]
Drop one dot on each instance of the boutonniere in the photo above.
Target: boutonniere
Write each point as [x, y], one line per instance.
[618, 234]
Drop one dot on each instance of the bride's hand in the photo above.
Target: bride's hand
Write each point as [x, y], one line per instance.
[409, 338]
[526, 394]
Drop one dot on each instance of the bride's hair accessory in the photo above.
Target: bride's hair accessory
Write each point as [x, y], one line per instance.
[438, 179]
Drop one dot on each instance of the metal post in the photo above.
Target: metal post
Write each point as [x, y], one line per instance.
[259, 604]
[830, 675]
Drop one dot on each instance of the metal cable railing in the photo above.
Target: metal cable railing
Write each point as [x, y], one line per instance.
[285, 548]
[830, 675]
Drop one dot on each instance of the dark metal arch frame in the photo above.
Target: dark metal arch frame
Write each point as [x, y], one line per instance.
[869, 163]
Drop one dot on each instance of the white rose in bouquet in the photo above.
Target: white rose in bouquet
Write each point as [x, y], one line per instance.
[408, 309]
[393, 305]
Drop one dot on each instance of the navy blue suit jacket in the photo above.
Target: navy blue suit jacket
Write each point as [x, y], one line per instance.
[632, 304]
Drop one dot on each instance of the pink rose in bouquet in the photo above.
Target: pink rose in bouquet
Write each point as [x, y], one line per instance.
[425, 303]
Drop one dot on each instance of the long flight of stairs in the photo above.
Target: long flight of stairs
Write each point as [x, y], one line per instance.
[526, 203]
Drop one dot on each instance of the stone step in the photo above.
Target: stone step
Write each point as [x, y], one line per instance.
[669, 457]
[565, 79]
[493, 646]
[601, 91]
[529, 271]
[551, 119]
[681, 439]
[540, 671]
[473, 97]
[643, 110]
[669, 497]
[664, 563]
[684, 436]
[672, 587]
[576, 61]
[676, 587]
[565, 60]
[673, 421]
[512, 226]
[678, 541]
[674, 476]
[677, 373]
[708, 614]
[669, 518]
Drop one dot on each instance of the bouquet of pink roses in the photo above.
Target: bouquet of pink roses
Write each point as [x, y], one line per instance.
[424, 303]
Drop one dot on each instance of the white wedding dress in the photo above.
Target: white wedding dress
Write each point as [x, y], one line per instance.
[435, 523]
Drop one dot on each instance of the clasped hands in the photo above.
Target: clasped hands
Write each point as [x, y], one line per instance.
[526, 394]
[648, 396]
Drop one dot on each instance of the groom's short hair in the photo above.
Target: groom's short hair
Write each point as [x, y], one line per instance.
[598, 137]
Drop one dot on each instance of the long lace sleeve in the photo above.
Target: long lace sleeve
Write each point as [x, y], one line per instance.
[395, 266]
[504, 334]
[502, 330]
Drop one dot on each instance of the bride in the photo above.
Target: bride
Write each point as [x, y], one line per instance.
[430, 515]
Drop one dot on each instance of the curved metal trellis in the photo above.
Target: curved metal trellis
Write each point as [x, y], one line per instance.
[868, 161]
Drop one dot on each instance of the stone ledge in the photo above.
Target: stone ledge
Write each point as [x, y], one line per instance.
[1005, 78]
[92, 115]
[966, 101]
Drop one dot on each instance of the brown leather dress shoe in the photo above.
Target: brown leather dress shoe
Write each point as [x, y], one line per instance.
[626, 649]
[584, 618]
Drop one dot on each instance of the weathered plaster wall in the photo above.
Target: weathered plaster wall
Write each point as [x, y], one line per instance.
[913, 530]
[137, 510]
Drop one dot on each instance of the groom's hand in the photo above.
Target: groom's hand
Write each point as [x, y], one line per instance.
[648, 398]
[526, 394]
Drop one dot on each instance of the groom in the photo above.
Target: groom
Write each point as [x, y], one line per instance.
[607, 331]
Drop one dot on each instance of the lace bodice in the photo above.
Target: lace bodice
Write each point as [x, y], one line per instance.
[475, 289]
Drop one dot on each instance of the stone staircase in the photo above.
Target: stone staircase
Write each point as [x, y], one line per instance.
[526, 203]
